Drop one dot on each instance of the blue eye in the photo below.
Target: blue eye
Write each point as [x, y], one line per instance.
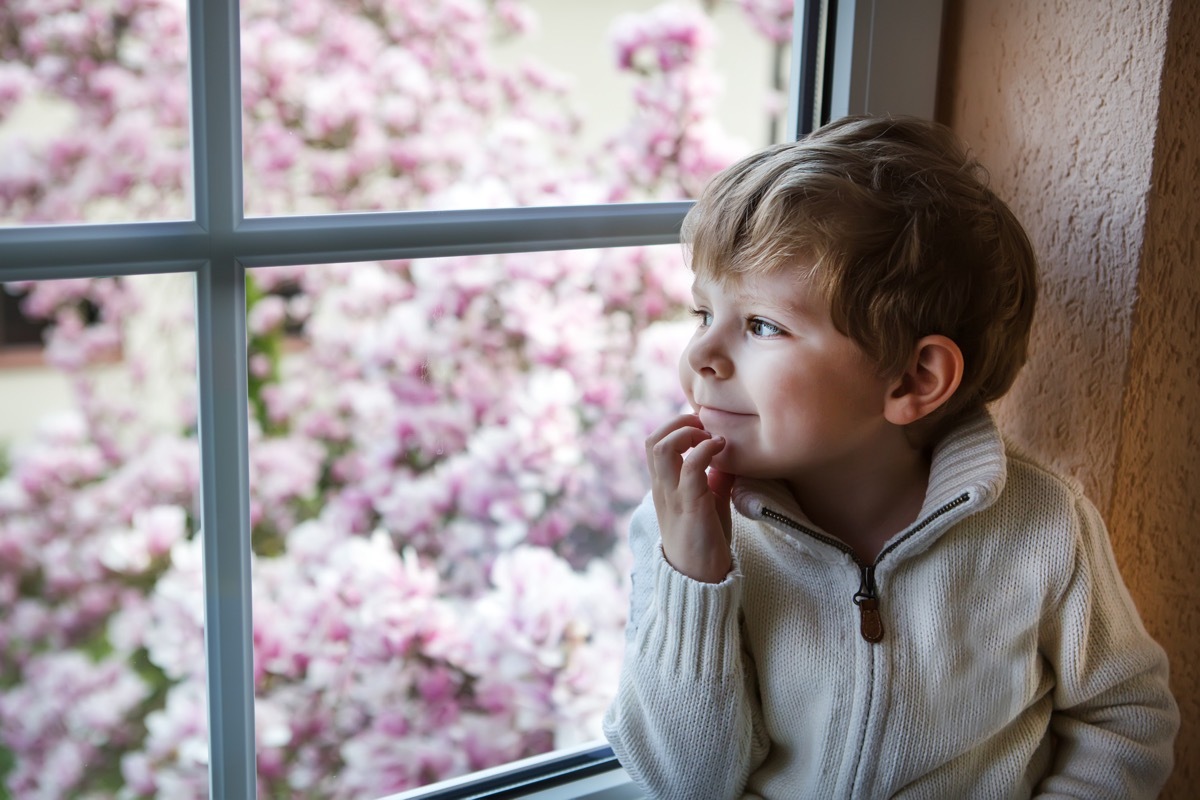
[760, 327]
[705, 317]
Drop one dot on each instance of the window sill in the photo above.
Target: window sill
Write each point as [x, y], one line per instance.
[590, 772]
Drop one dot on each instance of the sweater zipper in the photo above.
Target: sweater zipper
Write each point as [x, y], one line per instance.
[867, 596]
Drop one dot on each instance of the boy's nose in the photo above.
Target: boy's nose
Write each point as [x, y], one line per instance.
[707, 357]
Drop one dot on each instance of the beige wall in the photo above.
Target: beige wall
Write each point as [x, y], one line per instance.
[1085, 111]
[1155, 513]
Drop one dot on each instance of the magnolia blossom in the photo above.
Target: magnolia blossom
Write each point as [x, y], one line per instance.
[153, 533]
[15, 84]
[663, 39]
[174, 759]
[771, 18]
[673, 145]
[60, 718]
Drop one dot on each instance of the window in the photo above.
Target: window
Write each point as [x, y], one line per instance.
[16, 329]
[235, 264]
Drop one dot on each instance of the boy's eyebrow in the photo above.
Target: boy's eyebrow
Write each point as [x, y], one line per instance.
[800, 304]
[790, 305]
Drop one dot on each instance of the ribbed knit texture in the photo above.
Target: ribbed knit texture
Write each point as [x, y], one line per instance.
[1013, 662]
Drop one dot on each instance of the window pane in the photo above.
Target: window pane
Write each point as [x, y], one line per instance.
[101, 637]
[433, 104]
[94, 111]
[444, 455]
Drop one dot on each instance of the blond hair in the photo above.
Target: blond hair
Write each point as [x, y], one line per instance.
[896, 227]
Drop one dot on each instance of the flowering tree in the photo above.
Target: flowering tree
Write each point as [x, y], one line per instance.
[442, 456]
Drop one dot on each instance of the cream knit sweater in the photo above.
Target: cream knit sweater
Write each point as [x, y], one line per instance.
[1011, 661]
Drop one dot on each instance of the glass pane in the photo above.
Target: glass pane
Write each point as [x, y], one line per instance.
[434, 104]
[443, 458]
[94, 111]
[101, 635]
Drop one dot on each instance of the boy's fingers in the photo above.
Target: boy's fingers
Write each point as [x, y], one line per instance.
[669, 427]
[674, 423]
[665, 448]
[692, 490]
[666, 461]
[696, 464]
[721, 485]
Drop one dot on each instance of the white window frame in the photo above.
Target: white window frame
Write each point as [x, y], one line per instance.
[221, 243]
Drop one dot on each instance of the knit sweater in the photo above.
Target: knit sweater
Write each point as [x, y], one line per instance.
[1008, 658]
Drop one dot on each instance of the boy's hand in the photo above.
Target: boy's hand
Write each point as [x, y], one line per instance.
[692, 504]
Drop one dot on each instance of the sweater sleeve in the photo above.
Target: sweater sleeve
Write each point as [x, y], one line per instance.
[686, 721]
[1114, 716]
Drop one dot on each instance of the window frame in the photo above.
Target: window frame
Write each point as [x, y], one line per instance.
[219, 244]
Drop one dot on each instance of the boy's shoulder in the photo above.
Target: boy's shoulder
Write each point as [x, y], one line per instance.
[1043, 503]
[1033, 474]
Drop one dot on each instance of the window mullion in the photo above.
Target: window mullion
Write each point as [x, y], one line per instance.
[214, 32]
[52, 252]
[278, 241]
[225, 524]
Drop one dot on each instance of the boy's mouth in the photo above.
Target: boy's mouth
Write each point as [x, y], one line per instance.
[720, 415]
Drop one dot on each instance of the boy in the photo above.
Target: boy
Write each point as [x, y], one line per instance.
[846, 585]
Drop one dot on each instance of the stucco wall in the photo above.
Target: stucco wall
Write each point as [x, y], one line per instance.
[1059, 100]
[1085, 112]
[1155, 514]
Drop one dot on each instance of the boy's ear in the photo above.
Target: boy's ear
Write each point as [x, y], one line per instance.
[933, 375]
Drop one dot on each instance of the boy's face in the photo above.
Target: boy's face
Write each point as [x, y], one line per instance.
[767, 370]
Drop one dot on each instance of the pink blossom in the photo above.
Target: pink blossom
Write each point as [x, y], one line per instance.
[153, 533]
[15, 84]
[174, 635]
[516, 17]
[771, 18]
[267, 315]
[665, 38]
[174, 759]
[54, 742]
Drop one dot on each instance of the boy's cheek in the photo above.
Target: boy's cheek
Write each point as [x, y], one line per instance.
[685, 379]
[686, 386]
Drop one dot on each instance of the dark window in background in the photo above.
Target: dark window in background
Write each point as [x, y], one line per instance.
[16, 331]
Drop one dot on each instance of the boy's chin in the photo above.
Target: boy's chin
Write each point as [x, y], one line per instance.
[735, 464]
[726, 462]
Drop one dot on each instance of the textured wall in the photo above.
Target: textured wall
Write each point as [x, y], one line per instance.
[1059, 100]
[1085, 111]
[1156, 497]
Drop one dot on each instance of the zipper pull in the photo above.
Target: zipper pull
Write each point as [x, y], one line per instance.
[871, 624]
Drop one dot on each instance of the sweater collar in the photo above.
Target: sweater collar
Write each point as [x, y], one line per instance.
[968, 462]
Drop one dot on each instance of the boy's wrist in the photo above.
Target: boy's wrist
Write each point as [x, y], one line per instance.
[702, 567]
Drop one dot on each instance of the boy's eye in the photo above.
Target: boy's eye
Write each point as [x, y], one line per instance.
[760, 327]
[705, 317]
